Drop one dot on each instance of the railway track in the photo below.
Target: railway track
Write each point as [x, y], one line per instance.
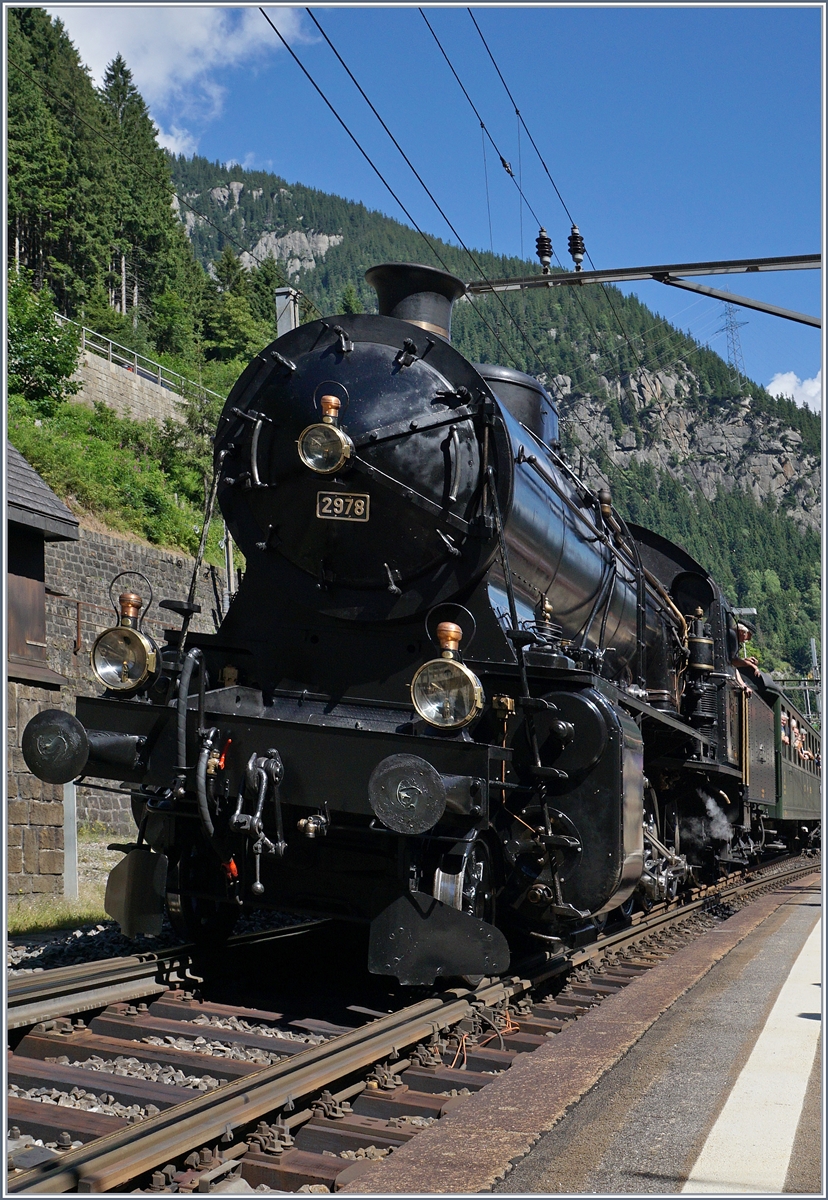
[180, 1094]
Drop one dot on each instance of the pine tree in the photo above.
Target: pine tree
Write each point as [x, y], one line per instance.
[350, 301]
[150, 253]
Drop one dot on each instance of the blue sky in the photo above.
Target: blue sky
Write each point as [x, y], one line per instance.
[673, 134]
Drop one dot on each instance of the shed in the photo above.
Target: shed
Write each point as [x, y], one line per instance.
[35, 516]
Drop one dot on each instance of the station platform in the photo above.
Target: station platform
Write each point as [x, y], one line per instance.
[721, 1095]
[703, 1077]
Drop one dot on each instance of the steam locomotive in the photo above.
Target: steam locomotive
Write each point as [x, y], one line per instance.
[456, 696]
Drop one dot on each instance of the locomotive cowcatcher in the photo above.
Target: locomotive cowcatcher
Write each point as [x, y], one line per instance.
[455, 697]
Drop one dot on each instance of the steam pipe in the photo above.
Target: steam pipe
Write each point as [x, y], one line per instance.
[201, 783]
[192, 659]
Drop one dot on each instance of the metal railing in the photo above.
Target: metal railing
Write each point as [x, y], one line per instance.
[131, 360]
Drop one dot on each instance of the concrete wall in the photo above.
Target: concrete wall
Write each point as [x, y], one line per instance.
[78, 575]
[128, 393]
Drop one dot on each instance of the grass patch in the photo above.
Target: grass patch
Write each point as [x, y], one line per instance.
[39, 914]
[135, 476]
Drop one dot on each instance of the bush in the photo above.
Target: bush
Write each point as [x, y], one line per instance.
[43, 355]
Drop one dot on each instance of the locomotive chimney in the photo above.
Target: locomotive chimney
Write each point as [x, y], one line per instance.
[421, 295]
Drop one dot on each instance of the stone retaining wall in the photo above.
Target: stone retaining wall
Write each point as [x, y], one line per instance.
[35, 809]
[78, 575]
[124, 390]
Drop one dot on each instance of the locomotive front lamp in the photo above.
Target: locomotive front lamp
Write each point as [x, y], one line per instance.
[324, 447]
[444, 692]
[124, 658]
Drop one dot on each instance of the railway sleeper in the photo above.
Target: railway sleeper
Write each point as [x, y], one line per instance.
[292, 1169]
[480, 1058]
[113, 1023]
[183, 1006]
[403, 1101]
[322, 1133]
[442, 1079]
[49, 1121]
[81, 1046]
[33, 1073]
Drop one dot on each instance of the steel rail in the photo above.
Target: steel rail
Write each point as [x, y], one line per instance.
[84, 986]
[675, 912]
[125, 1154]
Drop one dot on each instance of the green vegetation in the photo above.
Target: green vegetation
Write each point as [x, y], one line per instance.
[95, 229]
[39, 914]
[753, 550]
[42, 355]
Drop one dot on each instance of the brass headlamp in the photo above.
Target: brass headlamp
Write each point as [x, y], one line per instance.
[324, 447]
[123, 658]
[444, 692]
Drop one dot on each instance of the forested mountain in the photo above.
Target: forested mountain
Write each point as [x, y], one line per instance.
[178, 259]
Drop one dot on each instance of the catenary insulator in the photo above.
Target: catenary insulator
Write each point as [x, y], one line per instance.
[543, 246]
[576, 247]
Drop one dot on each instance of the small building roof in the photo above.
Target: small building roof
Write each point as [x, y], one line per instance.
[32, 502]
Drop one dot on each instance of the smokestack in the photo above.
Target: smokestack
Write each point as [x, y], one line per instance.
[421, 295]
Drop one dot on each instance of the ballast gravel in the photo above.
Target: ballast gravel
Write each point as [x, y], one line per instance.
[215, 1049]
[239, 1025]
[103, 1102]
[134, 1068]
[90, 943]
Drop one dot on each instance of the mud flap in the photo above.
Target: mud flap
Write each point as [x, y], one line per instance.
[417, 939]
[135, 891]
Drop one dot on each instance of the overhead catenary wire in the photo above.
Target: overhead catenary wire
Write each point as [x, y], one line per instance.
[560, 197]
[431, 197]
[509, 171]
[507, 167]
[536, 353]
[598, 445]
[168, 188]
[522, 122]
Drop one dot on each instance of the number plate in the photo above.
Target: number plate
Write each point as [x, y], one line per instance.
[342, 506]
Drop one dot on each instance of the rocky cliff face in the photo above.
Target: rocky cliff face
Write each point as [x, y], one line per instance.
[297, 249]
[656, 417]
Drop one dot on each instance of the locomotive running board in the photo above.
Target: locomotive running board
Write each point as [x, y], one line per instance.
[418, 938]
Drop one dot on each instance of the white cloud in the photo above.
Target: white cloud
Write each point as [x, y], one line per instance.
[806, 392]
[177, 141]
[176, 53]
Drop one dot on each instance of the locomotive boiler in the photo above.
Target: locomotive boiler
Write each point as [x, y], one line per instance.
[456, 697]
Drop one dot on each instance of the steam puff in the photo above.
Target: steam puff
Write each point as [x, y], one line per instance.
[720, 828]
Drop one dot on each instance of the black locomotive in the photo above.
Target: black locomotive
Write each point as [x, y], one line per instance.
[456, 696]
